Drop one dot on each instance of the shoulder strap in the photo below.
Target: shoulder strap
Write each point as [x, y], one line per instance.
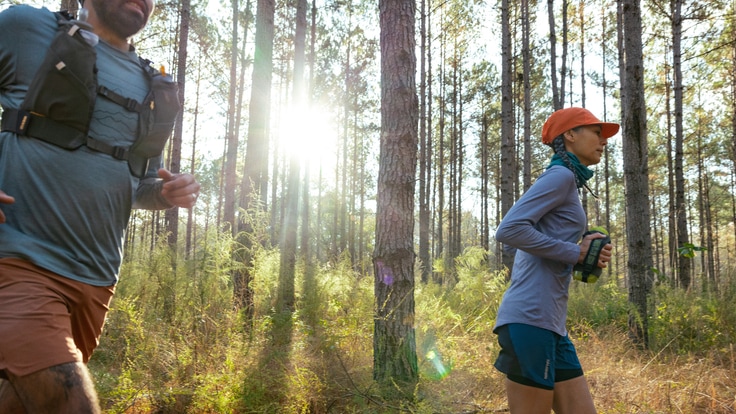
[63, 15]
[129, 104]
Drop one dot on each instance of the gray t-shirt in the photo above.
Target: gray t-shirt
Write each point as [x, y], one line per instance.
[71, 207]
[543, 226]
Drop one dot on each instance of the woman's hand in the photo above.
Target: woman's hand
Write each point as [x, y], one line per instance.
[5, 199]
[180, 190]
[606, 251]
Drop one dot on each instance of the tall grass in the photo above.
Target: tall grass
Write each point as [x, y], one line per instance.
[173, 343]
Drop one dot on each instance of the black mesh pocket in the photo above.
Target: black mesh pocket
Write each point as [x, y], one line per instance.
[156, 121]
[64, 88]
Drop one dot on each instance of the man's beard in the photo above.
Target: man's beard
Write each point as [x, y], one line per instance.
[124, 23]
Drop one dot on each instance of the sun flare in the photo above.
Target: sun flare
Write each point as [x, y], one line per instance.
[309, 133]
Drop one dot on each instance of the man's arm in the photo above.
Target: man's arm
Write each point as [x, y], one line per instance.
[169, 190]
[180, 190]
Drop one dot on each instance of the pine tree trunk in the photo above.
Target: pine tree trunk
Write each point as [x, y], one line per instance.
[563, 58]
[255, 179]
[582, 53]
[459, 175]
[683, 238]
[231, 157]
[733, 117]
[508, 146]
[485, 238]
[526, 64]
[606, 153]
[424, 172]
[636, 175]
[172, 214]
[290, 223]
[191, 228]
[354, 177]
[701, 206]
[674, 257]
[394, 343]
[556, 99]
[440, 182]
[305, 239]
[453, 189]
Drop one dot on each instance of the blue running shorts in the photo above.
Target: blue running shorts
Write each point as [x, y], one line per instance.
[536, 357]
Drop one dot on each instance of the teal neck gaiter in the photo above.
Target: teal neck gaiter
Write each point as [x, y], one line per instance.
[582, 173]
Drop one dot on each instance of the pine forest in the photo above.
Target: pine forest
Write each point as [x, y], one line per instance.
[356, 159]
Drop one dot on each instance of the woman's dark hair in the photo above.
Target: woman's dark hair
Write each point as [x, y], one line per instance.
[558, 145]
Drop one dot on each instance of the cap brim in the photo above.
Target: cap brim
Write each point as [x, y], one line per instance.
[609, 129]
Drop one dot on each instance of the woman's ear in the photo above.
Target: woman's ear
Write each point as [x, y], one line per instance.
[569, 136]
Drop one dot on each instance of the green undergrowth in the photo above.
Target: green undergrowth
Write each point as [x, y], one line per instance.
[174, 343]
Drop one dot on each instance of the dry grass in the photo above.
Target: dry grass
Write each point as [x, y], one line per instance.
[294, 368]
[305, 373]
[624, 380]
[319, 360]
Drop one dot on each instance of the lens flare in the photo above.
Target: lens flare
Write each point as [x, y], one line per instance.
[385, 273]
[435, 359]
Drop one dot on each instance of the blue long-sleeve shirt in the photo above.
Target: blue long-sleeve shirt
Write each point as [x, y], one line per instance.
[543, 226]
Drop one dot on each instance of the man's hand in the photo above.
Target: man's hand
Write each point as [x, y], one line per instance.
[5, 199]
[180, 190]
[606, 252]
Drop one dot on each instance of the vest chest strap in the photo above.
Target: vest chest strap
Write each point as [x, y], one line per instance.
[28, 124]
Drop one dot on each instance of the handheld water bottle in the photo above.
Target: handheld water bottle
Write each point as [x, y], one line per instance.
[588, 271]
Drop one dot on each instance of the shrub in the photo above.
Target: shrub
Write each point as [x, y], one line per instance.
[598, 304]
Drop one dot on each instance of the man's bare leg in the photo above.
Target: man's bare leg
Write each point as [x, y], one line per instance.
[61, 389]
[9, 401]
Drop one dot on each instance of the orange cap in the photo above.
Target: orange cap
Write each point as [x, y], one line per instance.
[566, 119]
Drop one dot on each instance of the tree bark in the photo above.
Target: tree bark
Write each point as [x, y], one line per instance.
[526, 64]
[683, 238]
[304, 247]
[289, 228]
[636, 175]
[254, 183]
[556, 99]
[674, 257]
[563, 59]
[508, 146]
[425, 260]
[394, 343]
[191, 228]
[231, 158]
[174, 165]
[732, 74]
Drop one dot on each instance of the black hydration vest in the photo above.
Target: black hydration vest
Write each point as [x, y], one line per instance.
[58, 106]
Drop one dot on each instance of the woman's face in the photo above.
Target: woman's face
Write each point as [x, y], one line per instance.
[586, 143]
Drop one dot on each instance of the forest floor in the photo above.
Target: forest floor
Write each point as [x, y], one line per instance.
[319, 359]
[626, 380]
[305, 375]
[622, 380]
